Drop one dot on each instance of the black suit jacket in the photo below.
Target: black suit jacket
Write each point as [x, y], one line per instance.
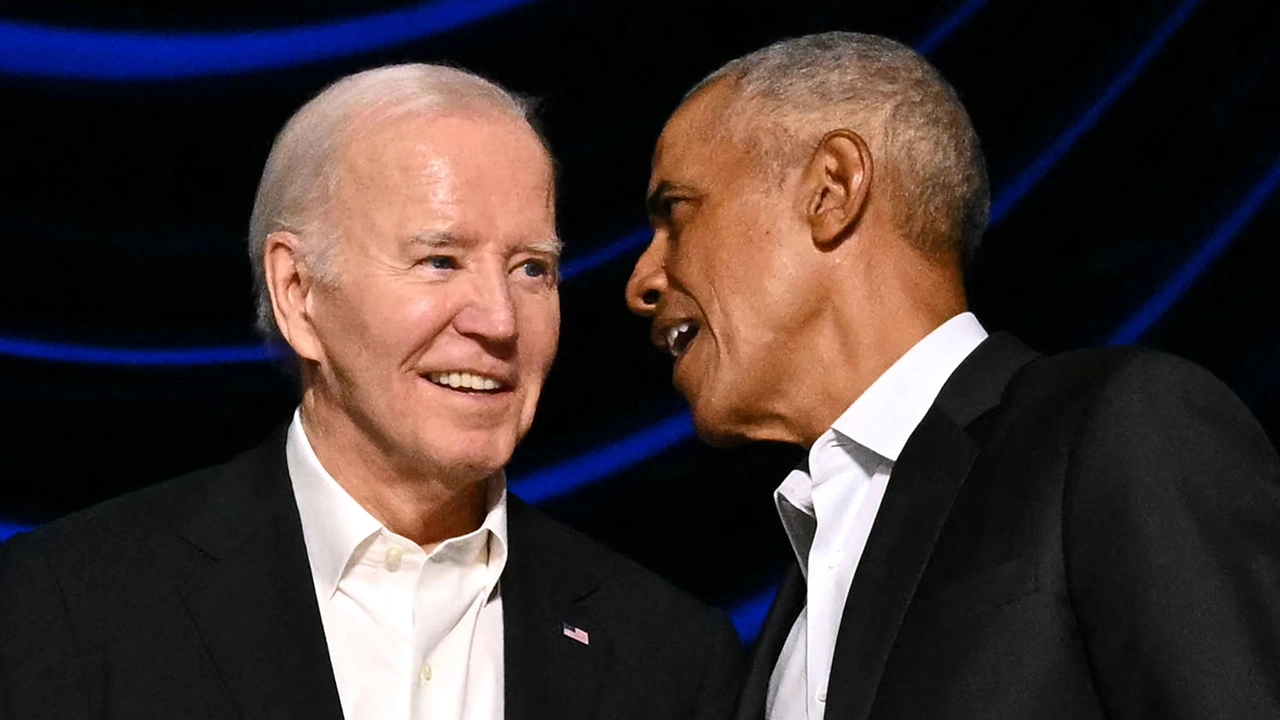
[194, 599]
[1091, 535]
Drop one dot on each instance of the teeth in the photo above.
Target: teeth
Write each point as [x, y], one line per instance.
[464, 380]
[673, 334]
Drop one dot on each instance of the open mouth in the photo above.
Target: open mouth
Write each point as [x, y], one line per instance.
[679, 336]
[467, 382]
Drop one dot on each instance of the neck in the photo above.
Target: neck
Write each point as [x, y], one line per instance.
[876, 316]
[406, 497]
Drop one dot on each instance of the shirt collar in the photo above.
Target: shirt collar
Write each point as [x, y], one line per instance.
[335, 526]
[878, 423]
[887, 412]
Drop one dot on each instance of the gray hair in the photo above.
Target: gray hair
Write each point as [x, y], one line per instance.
[301, 173]
[797, 90]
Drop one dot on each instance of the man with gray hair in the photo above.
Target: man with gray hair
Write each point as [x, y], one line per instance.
[367, 561]
[980, 532]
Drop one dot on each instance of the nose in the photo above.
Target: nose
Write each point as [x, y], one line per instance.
[648, 280]
[489, 314]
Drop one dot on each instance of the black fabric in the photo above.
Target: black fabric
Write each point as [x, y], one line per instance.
[1090, 535]
[194, 599]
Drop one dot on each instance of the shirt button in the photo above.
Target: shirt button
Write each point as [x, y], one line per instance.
[424, 672]
[822, 695]
[393, 558]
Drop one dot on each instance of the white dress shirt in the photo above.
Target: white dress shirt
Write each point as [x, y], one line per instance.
[411, 634]
[829, 509]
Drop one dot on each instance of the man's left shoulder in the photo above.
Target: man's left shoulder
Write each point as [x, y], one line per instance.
[1105, 381]
[1135, 383]
[1139, 408]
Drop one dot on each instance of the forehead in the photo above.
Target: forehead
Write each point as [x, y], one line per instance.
[492, 155]
[696, 144]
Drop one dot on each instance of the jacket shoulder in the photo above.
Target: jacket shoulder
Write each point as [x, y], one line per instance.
[1095, 378]
[116, 527]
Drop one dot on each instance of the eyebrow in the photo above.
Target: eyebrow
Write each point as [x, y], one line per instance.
[656, 202]
[550, 246]
[653, 203]
[436, 239]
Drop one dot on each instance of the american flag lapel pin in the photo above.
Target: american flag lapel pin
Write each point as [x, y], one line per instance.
[578, 634]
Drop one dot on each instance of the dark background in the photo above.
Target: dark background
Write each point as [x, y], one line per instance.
[1154, 124]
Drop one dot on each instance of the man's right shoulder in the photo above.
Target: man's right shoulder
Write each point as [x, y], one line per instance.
[126, 525]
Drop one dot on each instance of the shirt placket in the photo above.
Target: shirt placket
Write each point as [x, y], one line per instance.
[823, 558]
[447, 602]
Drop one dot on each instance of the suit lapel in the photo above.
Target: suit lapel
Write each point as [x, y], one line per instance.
[251, 595]
[923, 486]
[773, 635]
[548, 674]
[925, 481]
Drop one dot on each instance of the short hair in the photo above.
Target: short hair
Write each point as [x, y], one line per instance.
[793, 92]
[301, 172]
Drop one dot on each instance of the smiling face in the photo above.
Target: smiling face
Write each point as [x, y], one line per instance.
[432, 340]
[730, 278]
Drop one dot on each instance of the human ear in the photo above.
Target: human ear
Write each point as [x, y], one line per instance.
[838, 180]
[290, 286]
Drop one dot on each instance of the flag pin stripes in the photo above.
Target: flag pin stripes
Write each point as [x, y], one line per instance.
[578, 634]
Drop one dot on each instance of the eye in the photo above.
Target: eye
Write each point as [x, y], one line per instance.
[677, 211]
[441, 262]
[535, 268]
[538, 269]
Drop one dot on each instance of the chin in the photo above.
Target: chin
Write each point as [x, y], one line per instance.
[714, 428]
[472, 454]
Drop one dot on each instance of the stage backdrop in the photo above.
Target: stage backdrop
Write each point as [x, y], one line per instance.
[1133, 145]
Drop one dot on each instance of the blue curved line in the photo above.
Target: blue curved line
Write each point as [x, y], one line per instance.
[1035, 172]
[21, 43]
[27, 349]
[31, 50]
[134, 357]
[949, 25]
[1211, 248]
[633, 240]
[553, 482]
[545, 485]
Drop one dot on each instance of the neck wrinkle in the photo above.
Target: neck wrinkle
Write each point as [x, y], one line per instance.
[425, 509]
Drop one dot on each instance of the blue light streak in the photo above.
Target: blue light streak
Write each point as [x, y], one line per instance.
[1030, 176]
[26, 349]
[27, 44]
[46, 351]
[31, 50]
[606, 254]
[949, 25]
[749, 614]
[545, 485]
[9, 529]
[1137, 325]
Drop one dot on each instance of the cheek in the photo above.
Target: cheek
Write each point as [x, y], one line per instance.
[406, 321]
[539, 332]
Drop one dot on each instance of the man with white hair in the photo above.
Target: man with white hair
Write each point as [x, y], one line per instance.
[979, 532]
[367, 561]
